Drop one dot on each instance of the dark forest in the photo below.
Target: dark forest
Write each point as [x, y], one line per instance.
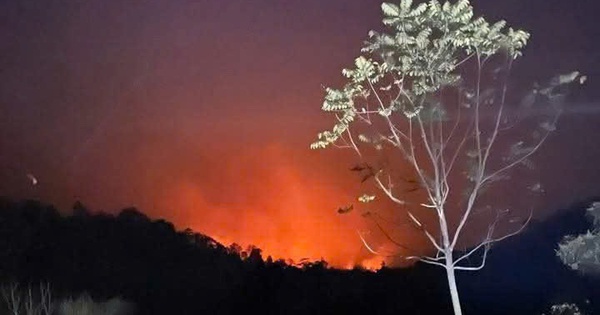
[165, 271]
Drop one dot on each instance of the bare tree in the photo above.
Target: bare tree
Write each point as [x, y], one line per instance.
[12, 297]
[433, 92]
[28, 301]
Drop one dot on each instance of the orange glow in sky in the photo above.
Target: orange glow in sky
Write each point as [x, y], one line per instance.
[271, 203]
[201, 113]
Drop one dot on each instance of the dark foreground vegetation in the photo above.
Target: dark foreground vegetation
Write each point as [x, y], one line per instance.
[165, 271]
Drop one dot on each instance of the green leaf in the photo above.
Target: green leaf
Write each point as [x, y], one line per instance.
[446, 7]
[434, 6]
[366, 198]
[390, 9]
[405, 5]
[419, 10]
[364, 138]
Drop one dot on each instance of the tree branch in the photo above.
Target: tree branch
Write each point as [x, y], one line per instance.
[489, 241]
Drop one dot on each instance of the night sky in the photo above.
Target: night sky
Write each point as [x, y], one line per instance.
[202, 112]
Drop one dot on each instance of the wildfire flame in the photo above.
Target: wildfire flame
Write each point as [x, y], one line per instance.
[275, 206]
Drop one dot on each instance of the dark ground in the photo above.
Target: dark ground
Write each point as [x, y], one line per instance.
[164, 271]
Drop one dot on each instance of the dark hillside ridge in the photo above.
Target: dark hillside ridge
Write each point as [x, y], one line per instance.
[165, 271]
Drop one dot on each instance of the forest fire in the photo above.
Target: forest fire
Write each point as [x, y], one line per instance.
[271, 202]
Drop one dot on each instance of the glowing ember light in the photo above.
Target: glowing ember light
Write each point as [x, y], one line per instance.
[275, 205]
[373, 263]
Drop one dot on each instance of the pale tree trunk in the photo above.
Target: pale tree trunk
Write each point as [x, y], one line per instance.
[450, 273]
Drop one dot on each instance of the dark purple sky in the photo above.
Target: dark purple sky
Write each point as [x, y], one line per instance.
[201, 112]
